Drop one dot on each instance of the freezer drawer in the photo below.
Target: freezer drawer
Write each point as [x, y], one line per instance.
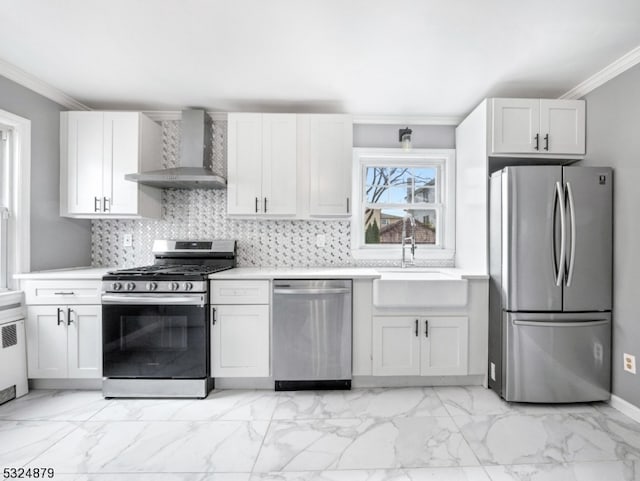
[556, 358]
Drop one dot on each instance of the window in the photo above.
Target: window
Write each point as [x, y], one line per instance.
[393, 186]
[15, 162]
[5, 198]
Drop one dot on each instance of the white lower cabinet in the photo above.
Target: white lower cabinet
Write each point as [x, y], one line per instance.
[240, 341]
[420, 346]
[64, 341]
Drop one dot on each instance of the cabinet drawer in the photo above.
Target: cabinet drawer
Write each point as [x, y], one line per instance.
[239, 292]
[62, 292]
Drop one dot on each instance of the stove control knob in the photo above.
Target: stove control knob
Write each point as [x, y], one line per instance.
[188, 286]
[130, 286]
[116, 286]
[152, 286]
[174, 286]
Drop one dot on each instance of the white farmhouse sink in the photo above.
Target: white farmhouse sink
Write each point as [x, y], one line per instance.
[419, 288]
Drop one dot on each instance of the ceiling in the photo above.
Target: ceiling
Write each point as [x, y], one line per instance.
[366, 57]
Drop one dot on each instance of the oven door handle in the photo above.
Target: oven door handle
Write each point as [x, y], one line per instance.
[196, 300]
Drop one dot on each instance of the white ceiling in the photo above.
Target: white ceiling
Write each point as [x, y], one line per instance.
[390, 57]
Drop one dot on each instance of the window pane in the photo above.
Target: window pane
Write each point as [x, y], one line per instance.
[384, 226]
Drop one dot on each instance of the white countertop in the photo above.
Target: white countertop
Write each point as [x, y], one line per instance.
[238, 273]
[67, 273]
[296, 273]
[331, 272]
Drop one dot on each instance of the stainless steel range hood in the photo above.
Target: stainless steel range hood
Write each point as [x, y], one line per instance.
[194, 155]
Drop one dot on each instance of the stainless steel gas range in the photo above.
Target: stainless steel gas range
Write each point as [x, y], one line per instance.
[155, 321]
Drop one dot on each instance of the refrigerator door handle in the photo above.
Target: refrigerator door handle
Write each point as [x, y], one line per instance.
[599, 322]
[563, 241]
[572, 255]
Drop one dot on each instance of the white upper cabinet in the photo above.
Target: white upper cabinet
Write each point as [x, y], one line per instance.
[97, 149]
[537, 127]
[289, 165]
[261, 154]
[329, 150]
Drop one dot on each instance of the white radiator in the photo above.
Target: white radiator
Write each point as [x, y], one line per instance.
[13, 360]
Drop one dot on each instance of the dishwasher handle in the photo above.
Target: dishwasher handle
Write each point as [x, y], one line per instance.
[335, 290]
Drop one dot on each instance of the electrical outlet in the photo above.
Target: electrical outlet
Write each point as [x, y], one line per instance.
[321, 240]
[493, 372]
[127, 240]
[629, 363]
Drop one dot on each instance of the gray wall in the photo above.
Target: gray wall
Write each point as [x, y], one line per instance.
[613, 139]
[423, 136]
[55, 241]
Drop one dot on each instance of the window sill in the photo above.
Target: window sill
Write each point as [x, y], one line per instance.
[395, 254]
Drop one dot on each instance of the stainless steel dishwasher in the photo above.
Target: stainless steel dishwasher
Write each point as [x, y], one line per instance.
[312, 334]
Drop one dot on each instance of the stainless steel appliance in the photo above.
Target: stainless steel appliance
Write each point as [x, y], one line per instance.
[155, 321]
[312, 334]
[550, 291]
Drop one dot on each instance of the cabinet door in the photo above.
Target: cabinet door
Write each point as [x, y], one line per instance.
[84, 347]
[515, 124]
[564, 122]
[47, 341]
[121, 153]
[330, 156]
[279, 157]
[396, 346]
[244, 164]
[240, 341]
[444, 346]
[85, 154]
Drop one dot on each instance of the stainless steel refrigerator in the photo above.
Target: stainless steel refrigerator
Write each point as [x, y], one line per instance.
[550, 261]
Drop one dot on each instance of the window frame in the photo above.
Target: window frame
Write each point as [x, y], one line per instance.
[18, 197]
[444, 160]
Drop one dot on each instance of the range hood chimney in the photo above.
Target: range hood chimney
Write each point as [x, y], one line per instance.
[194, 156]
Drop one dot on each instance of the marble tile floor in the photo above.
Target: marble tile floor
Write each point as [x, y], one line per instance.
[401, 434]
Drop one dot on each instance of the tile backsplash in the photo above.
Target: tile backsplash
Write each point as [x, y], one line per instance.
[201, 214]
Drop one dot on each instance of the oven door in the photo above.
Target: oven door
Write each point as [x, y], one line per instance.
[155, 336]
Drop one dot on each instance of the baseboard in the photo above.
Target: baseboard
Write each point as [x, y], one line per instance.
[625, 407]
[80, 384]
[416, 381]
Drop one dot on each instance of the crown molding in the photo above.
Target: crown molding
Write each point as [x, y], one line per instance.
[162, 115]
[406, 120]
[624, 63]
[27, 80]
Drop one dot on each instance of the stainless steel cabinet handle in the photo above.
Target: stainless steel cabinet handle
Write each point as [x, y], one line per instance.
[64, 293]
[572, 256]
[537, 139]
[105, 207]
[265, 205]
[256, 204]
[338, 290]
[69, 311]
[213, 316]
[563, 240]
[562, 324]
[417, 328]
[60, 320]
[546, 142]
[348, 205]
[96, 204]
[426, 328]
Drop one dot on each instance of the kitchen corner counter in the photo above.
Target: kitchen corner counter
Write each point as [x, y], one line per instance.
[239, 273]
[91, 273]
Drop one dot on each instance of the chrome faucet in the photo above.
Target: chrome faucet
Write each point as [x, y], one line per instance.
[411, 238]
